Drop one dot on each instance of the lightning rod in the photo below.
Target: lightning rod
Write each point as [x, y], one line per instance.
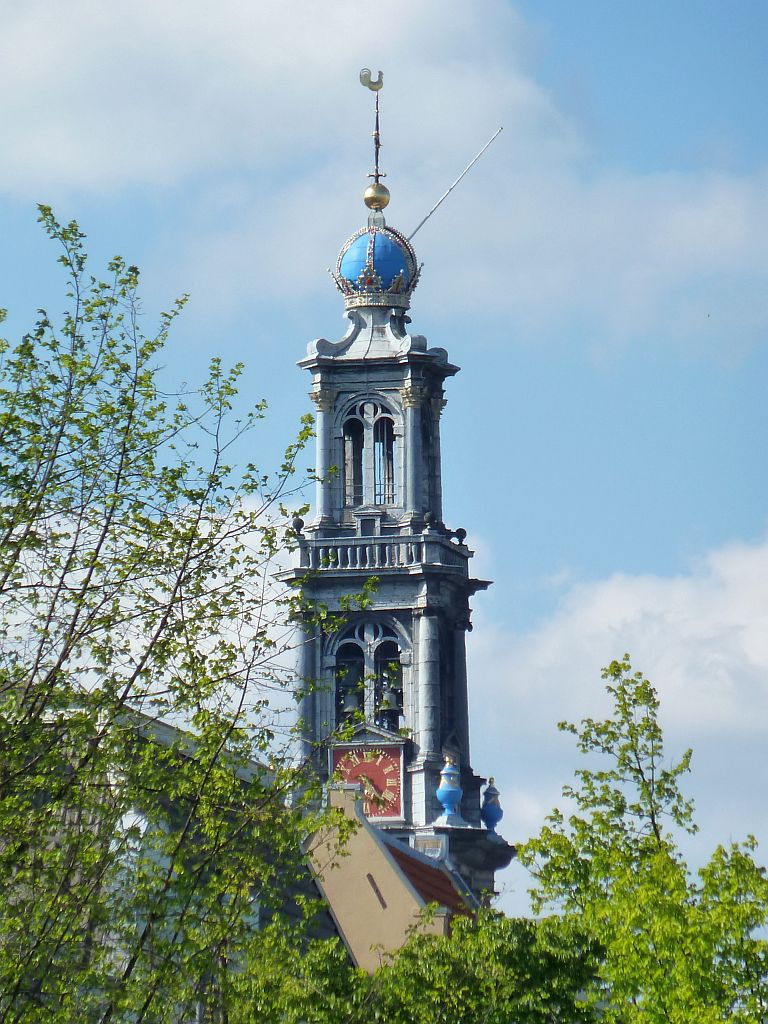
[448, 191]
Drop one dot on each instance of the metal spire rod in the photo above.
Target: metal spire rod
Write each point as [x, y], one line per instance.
[376, 144]
[374, 84]
[453, 186]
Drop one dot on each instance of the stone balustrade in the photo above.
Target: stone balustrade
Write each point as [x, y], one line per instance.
[373, 553]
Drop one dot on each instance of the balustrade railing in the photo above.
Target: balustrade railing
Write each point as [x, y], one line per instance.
[394, 552]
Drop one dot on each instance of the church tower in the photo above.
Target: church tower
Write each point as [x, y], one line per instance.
[390, 671]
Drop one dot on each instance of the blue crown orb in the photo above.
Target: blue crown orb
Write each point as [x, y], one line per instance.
[377, 267]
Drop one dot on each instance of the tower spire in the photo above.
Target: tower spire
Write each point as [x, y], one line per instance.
[376, 196]
[392, 675]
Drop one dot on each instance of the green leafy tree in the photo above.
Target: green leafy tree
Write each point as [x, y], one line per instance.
[137, 860]
[675, 946]
[490, 970]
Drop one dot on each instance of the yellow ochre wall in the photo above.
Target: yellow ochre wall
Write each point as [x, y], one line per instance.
[372, 902]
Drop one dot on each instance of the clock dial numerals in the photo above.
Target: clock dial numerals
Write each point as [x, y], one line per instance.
[378, 769]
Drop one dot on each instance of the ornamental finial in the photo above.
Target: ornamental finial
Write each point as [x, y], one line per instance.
[376, 196]
[491, 812]
[449, 794]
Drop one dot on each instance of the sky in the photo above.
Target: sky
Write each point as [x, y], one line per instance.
[601, 276]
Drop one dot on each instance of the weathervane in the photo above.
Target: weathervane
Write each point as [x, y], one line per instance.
[376, 196]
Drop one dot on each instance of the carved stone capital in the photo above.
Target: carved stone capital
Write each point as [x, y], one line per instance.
[438, 404]
[323, 398]
[412, 396]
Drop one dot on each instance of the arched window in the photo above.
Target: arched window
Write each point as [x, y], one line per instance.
[350, 671]
[354, 433]
[369, 456]
[388, 686]
[369, 676]
[384, 461]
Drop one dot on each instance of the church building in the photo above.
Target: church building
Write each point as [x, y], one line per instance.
[386, 702]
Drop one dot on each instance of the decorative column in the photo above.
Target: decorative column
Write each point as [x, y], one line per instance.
[460, 709]
[368, 458]
[323, 398]
[438, 404]
[429, 684]
[307, 670]
[412, 397]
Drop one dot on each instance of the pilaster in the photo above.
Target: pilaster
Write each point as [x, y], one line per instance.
[461, 709]
[428, 733]
[412, 397]
[323, 398]
[437, 405]
[307, 666]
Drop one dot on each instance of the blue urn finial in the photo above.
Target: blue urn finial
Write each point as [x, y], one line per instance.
[449, 792]
[491, 812]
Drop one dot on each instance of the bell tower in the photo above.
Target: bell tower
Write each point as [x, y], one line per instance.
[386, 686]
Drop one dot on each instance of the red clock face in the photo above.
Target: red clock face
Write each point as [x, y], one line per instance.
[378, 769]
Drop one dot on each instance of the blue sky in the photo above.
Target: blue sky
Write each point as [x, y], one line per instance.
[601, 276]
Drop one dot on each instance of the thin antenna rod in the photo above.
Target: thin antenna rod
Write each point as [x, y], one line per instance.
[445, 194]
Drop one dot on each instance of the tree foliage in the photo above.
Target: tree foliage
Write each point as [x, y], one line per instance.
[490, 970]
[136, 859]
[676, 946]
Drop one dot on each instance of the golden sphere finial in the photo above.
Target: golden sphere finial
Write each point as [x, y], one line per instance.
[376, 196]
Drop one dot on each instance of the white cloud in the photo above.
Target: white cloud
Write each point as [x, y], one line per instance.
[104, 95]
[260, 102]
[702, 640]
[678, 261]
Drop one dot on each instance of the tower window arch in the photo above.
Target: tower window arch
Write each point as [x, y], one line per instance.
[369, 442]
[388, 685]
[354, 435]
[369, 676]
[350, 674]
[384, 461]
